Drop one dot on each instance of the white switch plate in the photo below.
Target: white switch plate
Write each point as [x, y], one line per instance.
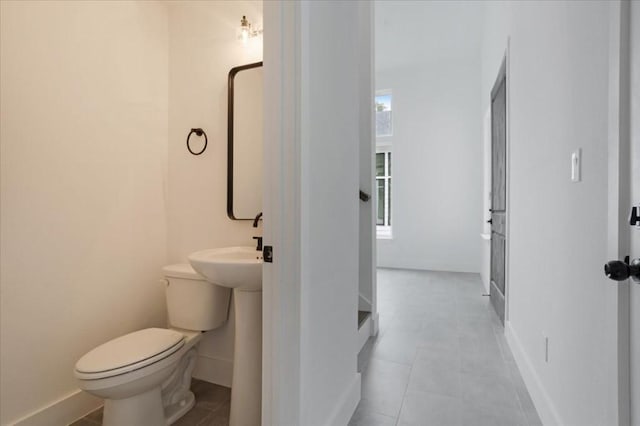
[576, 165]
[546, 349]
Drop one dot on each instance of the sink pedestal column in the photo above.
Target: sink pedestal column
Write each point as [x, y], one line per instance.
[246, 387]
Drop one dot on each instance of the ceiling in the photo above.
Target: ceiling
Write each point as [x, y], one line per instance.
[417, 32]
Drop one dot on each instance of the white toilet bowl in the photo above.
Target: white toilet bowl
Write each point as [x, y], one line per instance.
[145, 376]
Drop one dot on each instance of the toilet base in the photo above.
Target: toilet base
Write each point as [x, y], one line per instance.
[145, 410]
[141, 410]
[179, 409]
[161, 406]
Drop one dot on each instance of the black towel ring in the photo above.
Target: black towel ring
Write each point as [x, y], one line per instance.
[198, 132]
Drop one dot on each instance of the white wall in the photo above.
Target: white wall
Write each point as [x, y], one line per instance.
[83, 151]
[437, 162]
[87, 187]
[557, 97]
[436, 168]
[202, 50]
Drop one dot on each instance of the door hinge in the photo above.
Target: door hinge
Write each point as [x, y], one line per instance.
[267, 254]
[634, 218]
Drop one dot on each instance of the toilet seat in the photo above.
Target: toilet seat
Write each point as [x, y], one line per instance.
[128, 353]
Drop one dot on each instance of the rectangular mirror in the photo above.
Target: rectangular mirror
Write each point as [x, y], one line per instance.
[244, 161]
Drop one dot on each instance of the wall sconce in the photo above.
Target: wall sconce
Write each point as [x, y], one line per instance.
[245, 32]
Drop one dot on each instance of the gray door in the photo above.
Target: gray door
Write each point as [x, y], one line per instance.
[498, 190]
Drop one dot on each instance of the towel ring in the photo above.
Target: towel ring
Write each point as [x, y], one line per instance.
[198, 132]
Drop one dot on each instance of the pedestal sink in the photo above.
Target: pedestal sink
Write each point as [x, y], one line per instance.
[240, 268]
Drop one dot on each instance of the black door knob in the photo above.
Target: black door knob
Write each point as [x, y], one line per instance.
[490, 221]
[617, 270]
[620, 271]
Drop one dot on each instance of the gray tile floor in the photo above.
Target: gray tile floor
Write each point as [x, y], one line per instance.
[440, 357]
[211, 409]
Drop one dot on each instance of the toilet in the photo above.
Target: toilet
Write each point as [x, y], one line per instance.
[144, 377]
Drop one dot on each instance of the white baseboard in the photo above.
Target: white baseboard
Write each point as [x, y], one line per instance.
[375, 323]
[62, 412]
[543, 403]
[347, 404]
[214, 370]
[431, 266]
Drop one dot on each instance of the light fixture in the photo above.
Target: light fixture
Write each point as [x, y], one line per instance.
[245, 32]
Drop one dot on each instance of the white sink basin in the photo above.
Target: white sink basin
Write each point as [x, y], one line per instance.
[232, 267]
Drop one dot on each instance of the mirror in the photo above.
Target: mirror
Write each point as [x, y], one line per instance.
[244, 130]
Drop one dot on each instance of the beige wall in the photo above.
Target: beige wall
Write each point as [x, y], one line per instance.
[202, 49]
[84, 104]
[97, 183]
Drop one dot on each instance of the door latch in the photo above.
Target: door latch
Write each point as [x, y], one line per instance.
[634, 218]
[267, 254]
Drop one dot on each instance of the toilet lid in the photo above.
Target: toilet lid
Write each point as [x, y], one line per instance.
[129, 352]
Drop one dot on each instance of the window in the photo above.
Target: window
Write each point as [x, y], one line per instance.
[384, 124]
[384, 132]
[383, 186]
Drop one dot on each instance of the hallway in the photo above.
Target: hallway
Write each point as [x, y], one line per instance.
[440, 357]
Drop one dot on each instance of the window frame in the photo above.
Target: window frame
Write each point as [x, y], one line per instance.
[384, 145]
[385, 231]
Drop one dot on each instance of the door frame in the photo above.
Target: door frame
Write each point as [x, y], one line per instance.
[617, 306]
[281, 316]
[286, 75]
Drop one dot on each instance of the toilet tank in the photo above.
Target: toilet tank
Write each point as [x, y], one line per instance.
[192, 302]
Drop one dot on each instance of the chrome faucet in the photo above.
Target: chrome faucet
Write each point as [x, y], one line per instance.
[255, 221]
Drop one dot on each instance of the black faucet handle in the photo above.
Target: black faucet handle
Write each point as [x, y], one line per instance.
[257, 218]
[259, 246]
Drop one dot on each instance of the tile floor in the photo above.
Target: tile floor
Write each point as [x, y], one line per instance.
[211, 409]
[440, 357]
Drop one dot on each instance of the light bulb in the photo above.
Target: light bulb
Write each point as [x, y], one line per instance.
[245, 29]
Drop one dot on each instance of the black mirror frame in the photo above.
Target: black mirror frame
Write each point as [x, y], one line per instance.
[232, 75]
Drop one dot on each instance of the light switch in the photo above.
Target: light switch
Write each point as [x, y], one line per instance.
[576, 166]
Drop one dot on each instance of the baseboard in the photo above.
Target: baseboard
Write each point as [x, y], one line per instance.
[435, 267]
[347, 404]
[543, 403]
[62, 412]
[214, 370]
[375, 323]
